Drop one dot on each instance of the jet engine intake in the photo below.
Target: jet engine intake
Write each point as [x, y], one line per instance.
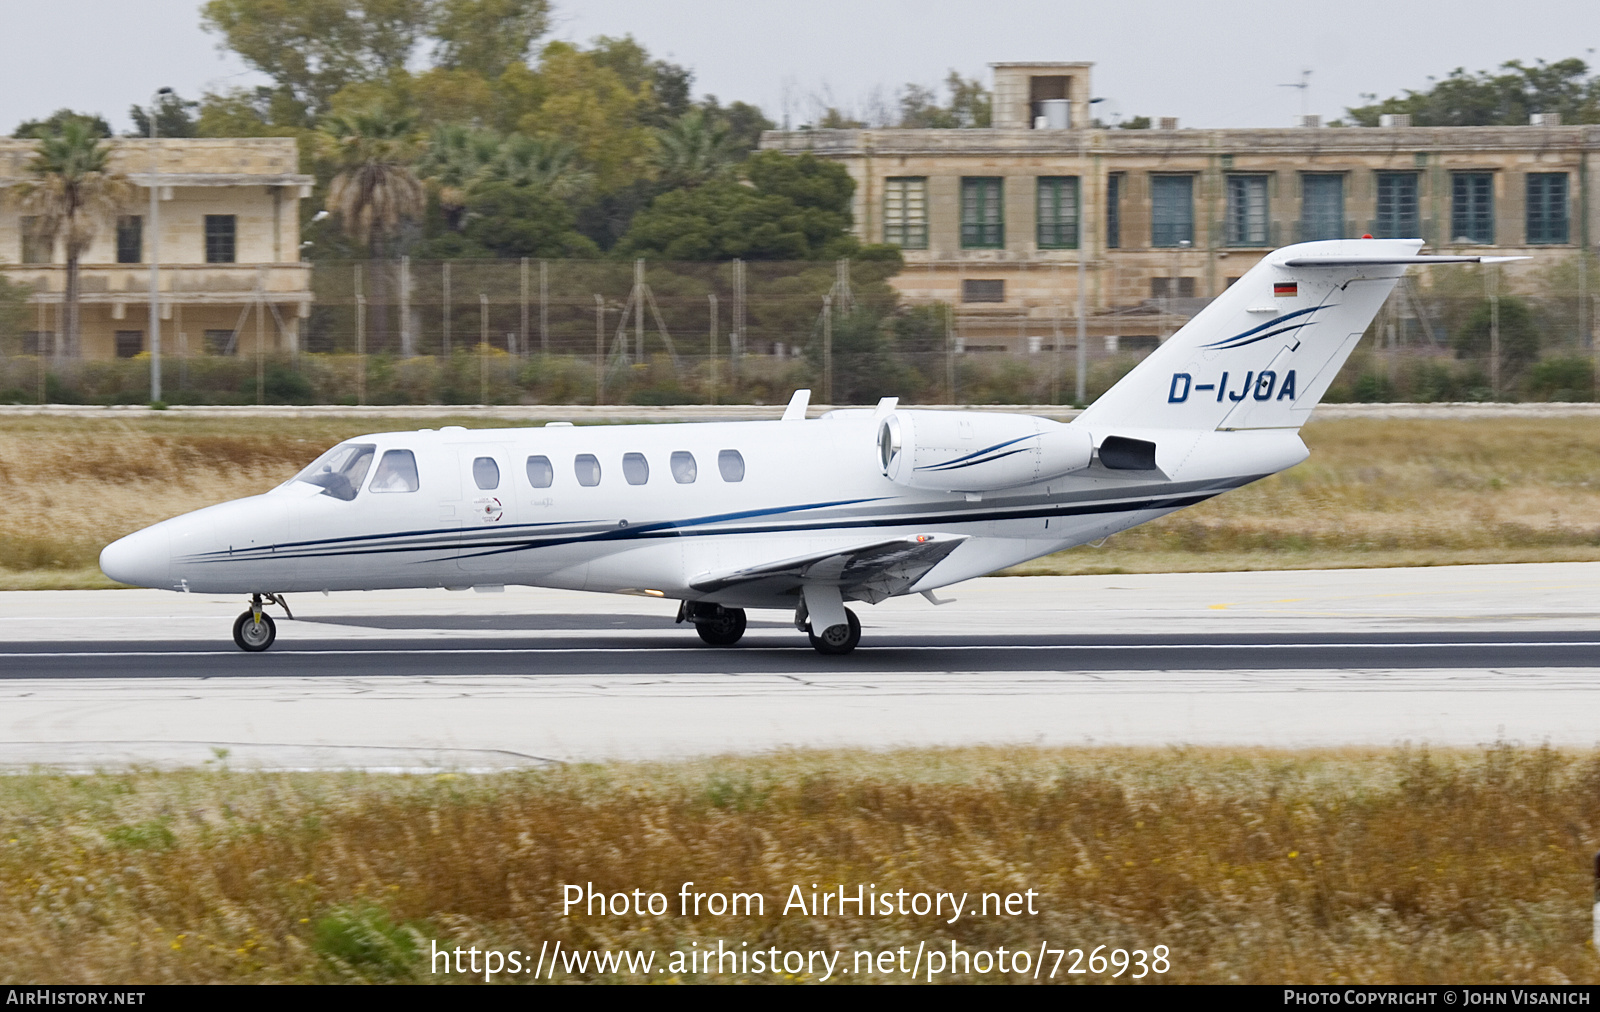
[974, 451]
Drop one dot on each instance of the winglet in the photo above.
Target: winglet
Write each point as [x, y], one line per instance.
[886, 406]
[796, 411]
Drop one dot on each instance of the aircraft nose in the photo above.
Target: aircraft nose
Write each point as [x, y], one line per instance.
[143, 559]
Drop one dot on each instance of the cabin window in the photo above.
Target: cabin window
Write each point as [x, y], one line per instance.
[397, 472]
[683, 467]
[486, 473]
[587, 467]
[540, 472]
[341, 470]
[635, 468]
[731, 464]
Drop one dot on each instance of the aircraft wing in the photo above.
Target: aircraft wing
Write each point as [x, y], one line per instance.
[871, 571]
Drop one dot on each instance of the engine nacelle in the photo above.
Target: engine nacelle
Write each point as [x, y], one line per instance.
[976, 451]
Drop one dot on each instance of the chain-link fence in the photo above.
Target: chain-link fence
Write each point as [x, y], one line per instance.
[603, 331]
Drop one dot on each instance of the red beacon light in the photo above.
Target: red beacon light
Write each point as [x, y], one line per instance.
[1367, 236]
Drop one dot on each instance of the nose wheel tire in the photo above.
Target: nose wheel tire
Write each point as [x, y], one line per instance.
[838, 639]
[252, 634]
[724, 630]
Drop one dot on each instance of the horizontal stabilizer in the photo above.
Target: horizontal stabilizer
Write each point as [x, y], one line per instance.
[1379, 261]
[869, 572]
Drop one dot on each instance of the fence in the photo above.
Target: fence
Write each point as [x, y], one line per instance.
[535, 331]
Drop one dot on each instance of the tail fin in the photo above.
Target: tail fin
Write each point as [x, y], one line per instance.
[1263, 353]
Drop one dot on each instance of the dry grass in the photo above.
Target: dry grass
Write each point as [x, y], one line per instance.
[1402, 866]
[1386, 493]
[1374, 493]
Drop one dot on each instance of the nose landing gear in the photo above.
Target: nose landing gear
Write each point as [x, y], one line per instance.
[254, 631]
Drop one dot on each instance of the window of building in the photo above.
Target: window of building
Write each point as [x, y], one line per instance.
[1398, 217]
[38, 342]
[731, 464]
[1321, 206]
[635, 469]
[1114, 211]
[129, 343]
[683, 467]
[220, 234]
[397, 472]
[1472, 207]
[1172, 288]
[1247, 211]
[1171, 210]
[36, 248]
[130, 239]
[983, 290]
[486, 473]
[587, 467]
[1547, 208]
[905, 212]
[982, 214]
[1058, 212]
[219, 342]
[540, 472]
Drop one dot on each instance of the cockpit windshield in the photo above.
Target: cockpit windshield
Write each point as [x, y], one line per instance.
[341, 470]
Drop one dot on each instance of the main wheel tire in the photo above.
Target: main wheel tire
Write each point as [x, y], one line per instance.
[723, 631]
[252, 635]
[839, 639]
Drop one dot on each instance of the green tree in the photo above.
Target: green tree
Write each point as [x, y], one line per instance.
[174, 117]
[970, 105]
[864, 370]
[502, 195]
[505, 219]
[34, 129]
[1519, 337]
[795, 208]
[745, 122]
[1490, 99]
[663, 87]
[487, 36]
[920, 334]
[312, 48]
[71, 192]
[696, 148]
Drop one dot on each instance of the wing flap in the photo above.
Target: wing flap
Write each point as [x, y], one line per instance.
[870, 572]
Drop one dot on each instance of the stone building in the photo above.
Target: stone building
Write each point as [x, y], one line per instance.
[229, 247]
[996, 221]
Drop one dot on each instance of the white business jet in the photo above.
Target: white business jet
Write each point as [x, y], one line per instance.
[799, 515]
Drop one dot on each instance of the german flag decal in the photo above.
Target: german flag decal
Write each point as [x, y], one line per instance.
[1285, 289]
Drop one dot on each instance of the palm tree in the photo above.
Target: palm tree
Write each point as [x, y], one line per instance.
[455, 160]
[71, 194]
[461, 158]
[541, 162]
[374, 192]
[696, 148]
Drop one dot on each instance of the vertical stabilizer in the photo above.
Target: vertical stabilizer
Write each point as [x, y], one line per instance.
[1263, 353]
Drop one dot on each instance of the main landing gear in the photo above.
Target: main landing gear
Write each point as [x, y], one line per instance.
[723, 627]
[718, 626]
[837, 639]
[254, 631]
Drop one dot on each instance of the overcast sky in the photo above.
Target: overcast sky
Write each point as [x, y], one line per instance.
[1220, 63]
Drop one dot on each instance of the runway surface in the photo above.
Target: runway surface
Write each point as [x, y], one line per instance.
[427, 680]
